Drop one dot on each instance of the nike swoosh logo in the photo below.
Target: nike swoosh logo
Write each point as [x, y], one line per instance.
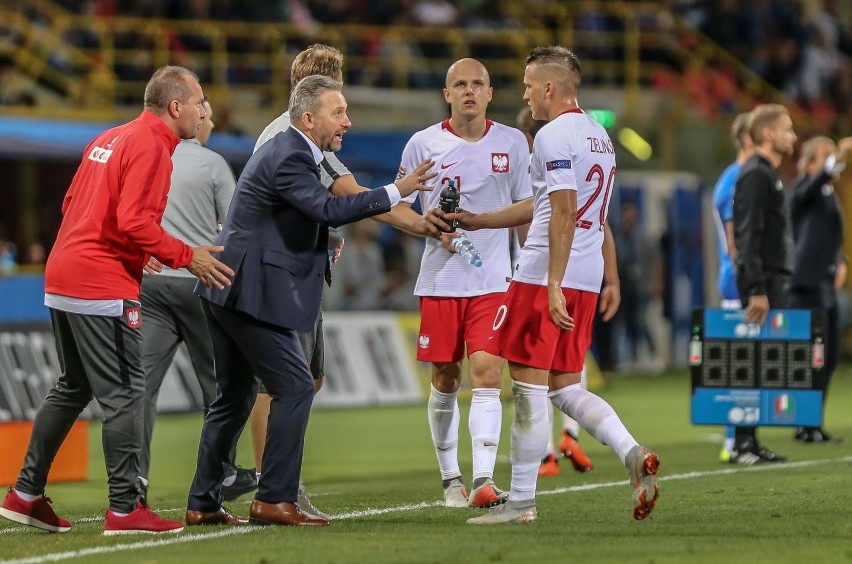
[488, 444]
[443, 166]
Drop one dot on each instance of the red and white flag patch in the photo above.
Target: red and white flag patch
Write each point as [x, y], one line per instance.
[133, 317]
[500, 162]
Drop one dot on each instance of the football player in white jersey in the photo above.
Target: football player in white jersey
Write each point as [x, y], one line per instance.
[608, 303]
[544, 326]
[489, 163]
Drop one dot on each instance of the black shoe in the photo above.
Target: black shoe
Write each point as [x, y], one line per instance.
[767, 455]
[801, 433]
[742, 453]
[817, 435]
[750, 452]
[245, 482]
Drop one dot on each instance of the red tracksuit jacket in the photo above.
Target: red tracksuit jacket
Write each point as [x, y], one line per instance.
[112, 213]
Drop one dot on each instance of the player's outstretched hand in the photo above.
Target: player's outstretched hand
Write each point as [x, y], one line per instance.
[154, 266]
[335, 244]
[434, 223]
[447, 240]
[558, 312]
[844, 149]
[208, 269]
[415, 180]
[468, 221]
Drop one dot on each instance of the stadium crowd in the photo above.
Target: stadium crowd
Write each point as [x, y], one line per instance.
[803, 49]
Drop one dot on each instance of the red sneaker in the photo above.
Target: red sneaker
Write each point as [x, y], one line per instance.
[140, 520]
[549, 466]
[571, 450]
[36, 513]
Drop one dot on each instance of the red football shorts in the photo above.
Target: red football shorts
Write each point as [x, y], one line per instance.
[447, 325]
[524, 332]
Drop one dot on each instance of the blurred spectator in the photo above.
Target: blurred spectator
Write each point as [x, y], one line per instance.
[8, 264]
[36, 255]
[361, 267]
[402, 261]
[639, 270]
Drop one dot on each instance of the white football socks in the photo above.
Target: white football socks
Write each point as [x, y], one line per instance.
[530, 431]
[569, 424]
[443, 414]
[485, 421]
[596, 416]
[551, 448]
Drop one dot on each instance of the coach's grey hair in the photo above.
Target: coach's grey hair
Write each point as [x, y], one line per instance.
[807, 153]
[306, 95]
[167, 84]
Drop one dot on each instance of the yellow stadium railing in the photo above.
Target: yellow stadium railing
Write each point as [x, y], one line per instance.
[98, 62]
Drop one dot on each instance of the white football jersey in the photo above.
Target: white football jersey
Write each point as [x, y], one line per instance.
[490, 174]
[572, 152]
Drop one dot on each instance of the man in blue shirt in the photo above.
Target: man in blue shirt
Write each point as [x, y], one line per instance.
[723, 214]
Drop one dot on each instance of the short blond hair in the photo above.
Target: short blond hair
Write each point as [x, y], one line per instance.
[762, 117]
[317, 59]
[739, 130]
[561, 59]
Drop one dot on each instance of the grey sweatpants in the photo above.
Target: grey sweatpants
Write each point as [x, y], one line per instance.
[99, 357]
[173, 315]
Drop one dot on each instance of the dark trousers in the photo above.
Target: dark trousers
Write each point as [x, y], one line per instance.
[822, 297]
[243, 347]
[313, 345]
[776, 293]
[173, 315]
[100, 358]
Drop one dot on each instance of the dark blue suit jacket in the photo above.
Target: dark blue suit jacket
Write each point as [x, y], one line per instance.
[276, 234]
[817, 231]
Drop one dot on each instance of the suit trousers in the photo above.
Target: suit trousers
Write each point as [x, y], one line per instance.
[99, 357]
[822, 297]
[173, 315]
[244, 347]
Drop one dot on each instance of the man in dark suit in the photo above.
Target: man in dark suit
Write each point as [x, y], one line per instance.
[276, 236]
[819, 266]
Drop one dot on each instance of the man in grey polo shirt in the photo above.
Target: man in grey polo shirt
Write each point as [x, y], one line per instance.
[202, 186]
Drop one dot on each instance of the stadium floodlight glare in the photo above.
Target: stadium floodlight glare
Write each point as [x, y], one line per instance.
[603, 116]
[635, 143]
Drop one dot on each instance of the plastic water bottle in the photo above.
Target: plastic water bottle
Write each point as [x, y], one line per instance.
[466, 250]
[449, 202]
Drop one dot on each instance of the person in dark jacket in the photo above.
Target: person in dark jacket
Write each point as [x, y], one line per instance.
[819, 263]
[276, 235]
[763, 240]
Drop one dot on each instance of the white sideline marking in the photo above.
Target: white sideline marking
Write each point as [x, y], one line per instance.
[192, 537]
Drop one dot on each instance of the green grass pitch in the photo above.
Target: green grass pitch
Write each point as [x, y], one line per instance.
[374, 471]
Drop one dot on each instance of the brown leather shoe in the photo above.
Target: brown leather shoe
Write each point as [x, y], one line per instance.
[284, 513]
[221, 517]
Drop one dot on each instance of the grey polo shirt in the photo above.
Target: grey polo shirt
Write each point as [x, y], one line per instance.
[202, 187]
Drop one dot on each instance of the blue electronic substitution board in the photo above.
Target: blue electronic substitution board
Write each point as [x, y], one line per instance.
[747, 374]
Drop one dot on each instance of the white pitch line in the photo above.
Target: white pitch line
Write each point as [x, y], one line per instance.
[193, 537]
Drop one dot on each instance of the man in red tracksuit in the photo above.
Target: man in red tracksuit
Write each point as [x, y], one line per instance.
[110, 228]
